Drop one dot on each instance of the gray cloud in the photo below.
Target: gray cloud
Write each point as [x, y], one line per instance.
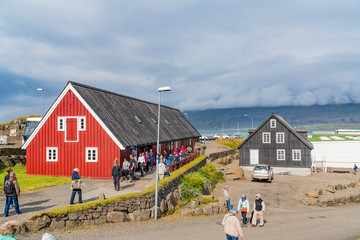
[213, 54]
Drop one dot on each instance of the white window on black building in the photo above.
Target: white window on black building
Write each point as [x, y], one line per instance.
[51, 154]
[266, 137]
[280, 154]
[273, 123]
[296, 155]
[91, 154]
[280, 137]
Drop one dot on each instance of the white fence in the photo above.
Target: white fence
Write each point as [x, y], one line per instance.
[340, 154]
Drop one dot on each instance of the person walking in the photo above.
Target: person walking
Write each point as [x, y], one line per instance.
[142, 164]
[227, 197]
[6, 178]
[132, 168]
[355, 167]
[162, 169]
[76, 186]
[116, 173]
[232, 226]
[244, 208]
[12, 192]
[152, 158]
[259, 208]
[125, 168]
[8, 230]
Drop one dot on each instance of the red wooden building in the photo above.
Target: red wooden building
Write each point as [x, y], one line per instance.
[87, 128]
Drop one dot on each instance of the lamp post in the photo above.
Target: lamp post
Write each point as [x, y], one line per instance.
[41, 90]
[252, 120]
[162, 89]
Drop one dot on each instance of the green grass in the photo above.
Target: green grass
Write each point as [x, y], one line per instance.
[316, 138]
[32, 183]
[232, 143]
[93, 204]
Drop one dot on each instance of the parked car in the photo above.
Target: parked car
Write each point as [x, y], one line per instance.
[262, 172]
[204, 138]
[217, 136]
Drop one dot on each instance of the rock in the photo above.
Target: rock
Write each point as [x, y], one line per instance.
[222, 205]
[116, 217]
[351, 185]
[312, 194]
[198, 211]
[96, 215]
[206, 197]
[100, 220]
[207, 210]
[330, 189]
[57, 224]
[70, 224]
[187, 212]
[234, 178]
[101, 196]
[320, 192]
[194, 203]
[140, 215]
[338, 187]
[163, 206]
[357, 183]
[215, 207]
[38, 223]
[239, 172]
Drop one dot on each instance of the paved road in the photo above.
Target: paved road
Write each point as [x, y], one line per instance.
[329, 223]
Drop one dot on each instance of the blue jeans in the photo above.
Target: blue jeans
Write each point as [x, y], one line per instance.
[228, 205]
[9, 199]
[243, 214]
[74, 191]
[229, 237]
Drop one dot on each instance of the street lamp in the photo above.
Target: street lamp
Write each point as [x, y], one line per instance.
[162, 89]
[41, 90]
[252, 120]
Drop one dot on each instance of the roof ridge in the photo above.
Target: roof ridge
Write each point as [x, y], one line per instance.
[117, 94]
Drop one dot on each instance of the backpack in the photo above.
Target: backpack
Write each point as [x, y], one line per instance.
[76, 184]
[9, 187]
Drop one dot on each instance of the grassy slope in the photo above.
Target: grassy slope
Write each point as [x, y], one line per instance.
[32, 183]
[232, 143]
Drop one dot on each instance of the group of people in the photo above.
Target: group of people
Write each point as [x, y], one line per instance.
[231, 222]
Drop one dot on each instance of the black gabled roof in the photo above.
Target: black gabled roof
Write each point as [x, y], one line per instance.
[121, 115]
[286, 124]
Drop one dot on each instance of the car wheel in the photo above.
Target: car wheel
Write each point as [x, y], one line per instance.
[253, 180]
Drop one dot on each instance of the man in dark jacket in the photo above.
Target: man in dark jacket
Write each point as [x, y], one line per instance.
[259, 208]
[115, 173]
[7, 176]
[132, 167]
[13, 195]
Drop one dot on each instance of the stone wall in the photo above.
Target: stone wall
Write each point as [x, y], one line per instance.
[137, 208]
[223, 154]
[12, 156]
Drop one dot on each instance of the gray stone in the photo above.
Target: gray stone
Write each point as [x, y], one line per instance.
[194, 203]
[116, 217]
[198, 211]
[96, 215]
[38, 223]
[163, 206]
[82, 217]
[215, 207]
[73, 217]
[187, 212]
[139, 215]
[207, 210]
[57, 224]
[101, 196]
[338, 187]
[70, 224]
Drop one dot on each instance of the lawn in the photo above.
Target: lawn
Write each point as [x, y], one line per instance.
[232, 143]
[316, 138]
[32, 183]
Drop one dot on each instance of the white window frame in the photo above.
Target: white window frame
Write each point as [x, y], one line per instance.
[280, 137]
[80, 119]
[273, 123]
[296, 154]
[264, 138]
[280, 154]
[52, 154]
[61, 124]
[92, 158]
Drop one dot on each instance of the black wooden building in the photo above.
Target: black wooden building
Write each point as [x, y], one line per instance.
[277, 143]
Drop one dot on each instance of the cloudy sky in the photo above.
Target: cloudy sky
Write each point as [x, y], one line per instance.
[214, 54]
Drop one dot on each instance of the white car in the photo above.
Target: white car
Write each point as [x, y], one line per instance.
[262, 172]
[217, 136]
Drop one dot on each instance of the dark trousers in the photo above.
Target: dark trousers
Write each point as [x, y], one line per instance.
[9, 199]
[117, 182]
[142, 169]
[147, 166]
[125, 173]
[132, 174]
[243, 214]
[74, 191]
[229, 237]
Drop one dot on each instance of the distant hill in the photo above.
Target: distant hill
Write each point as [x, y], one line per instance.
[317, 116]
